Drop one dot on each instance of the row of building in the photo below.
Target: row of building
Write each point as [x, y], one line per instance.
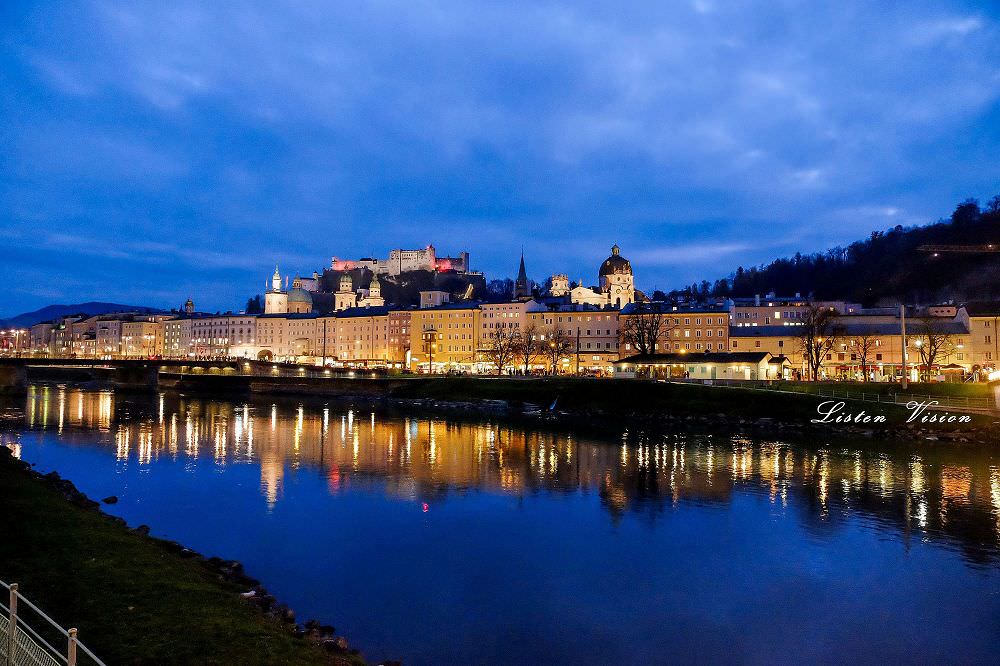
[572, 329]
[458, 337]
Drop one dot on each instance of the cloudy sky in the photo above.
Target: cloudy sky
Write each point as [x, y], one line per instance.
[151, 151]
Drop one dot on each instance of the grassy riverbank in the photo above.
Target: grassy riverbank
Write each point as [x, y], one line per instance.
[134, 599]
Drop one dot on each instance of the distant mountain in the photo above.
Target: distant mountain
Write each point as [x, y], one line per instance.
[956, 258]
[51, 312]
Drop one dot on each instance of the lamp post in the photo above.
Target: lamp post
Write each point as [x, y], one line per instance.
[902, 329]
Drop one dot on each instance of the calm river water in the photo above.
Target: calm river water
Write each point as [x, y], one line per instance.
[438, 541]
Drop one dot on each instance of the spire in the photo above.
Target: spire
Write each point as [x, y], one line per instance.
[521, 284]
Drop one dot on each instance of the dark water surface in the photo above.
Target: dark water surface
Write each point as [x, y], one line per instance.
[435, 541]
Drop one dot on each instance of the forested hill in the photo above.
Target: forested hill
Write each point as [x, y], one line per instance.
[887, 265]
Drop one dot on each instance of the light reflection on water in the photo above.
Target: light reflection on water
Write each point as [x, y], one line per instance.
[944, 498]
[913, 490]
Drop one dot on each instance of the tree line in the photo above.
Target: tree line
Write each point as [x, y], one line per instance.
[886, 266]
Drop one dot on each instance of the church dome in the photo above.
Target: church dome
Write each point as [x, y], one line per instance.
[299, 295]
[616, 264]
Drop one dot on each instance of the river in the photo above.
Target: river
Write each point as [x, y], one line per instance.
[435, 540]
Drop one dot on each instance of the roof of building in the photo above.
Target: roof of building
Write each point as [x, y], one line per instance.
[662, 307]
[363, 311]
[299, 295]
[579, 307]
[181, 316]
[696, 357]
[767, 300]
[288, 315]
[849, 328]
[460, 305]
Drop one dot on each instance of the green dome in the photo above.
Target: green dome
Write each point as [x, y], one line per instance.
[299, 296]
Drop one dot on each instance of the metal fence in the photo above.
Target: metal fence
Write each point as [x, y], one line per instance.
[982, 403]
[24, 644]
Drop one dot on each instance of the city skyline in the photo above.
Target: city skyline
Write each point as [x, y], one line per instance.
[192, 148]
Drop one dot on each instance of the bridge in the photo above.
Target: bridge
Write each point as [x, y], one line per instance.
[138, 374]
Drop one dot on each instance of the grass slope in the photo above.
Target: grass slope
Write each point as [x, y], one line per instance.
[132, 599]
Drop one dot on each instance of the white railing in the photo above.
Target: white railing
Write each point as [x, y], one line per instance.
[23, 645]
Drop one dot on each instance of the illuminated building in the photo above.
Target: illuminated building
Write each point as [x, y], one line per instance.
[402, 261]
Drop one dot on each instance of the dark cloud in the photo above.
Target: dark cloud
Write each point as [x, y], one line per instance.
[168, 149]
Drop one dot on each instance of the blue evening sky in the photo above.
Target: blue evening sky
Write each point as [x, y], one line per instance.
[151, 151]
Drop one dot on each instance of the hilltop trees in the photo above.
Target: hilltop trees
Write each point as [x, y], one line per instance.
[887, 264]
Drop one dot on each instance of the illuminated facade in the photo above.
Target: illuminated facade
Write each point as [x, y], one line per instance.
[275, 298]
[402, 261]
[286, 337]
[142, 338]
[445, 338]
[592, 333]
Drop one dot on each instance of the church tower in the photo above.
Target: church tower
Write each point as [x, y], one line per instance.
[345, 296]
[189, 306]
[560, 285]
[617, 282]
[275, 299]
[521, 283]
[374, 295]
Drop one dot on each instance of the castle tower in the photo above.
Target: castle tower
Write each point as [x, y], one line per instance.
[345, 296]
[617, 282]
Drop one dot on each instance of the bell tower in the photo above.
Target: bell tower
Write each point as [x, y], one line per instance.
[345, 296]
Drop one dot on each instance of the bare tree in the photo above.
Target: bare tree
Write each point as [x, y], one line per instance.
[818, 337]
[527, 346]
[932, 341]
[642, 328]
[501, 344]
[864, 345]
[556, 345]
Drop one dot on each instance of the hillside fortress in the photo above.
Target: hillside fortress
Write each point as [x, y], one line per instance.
[402, 261]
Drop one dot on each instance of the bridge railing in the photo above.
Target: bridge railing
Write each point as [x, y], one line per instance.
[40, 641]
